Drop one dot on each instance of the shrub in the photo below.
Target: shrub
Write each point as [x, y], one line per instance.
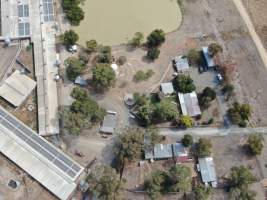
[203, 147]
[104, 54]
[239, 113]
[91, 46]
[153, 53]
[143, 76]
[214, 48]
[207, 95]
[194, 56]
[186, 121]
[122, 60]
[187, 140]
[137, 39]
[255, 142]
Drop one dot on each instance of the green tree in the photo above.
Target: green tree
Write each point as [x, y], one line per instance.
[145, 113]
[207, 95]
[178, 179]
[129, 146]
[69, 38]
[105, 183]
[103, 77]
[91, 46]
[74, 68]
[203, 147]
[75, 15]
[153, 185]
[153, 53]
[184, 84]
[194, 56]
[143, 76]
[186, 121]
[104, 54]
[165, 111]
[140, 100]
[137, 40]
[255, 142]
[228, 90]
[239, 113]
[155, 38]
[240, 178]
[187, 140]
[201, 192]
[214, 48]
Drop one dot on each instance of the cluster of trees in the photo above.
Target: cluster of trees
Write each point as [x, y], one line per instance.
[206, 97]
[154, 40]
[184, 84]
[82, 113]
[240, 113]
[239, 181]
[143, 76]
[156, 112]
[73, 11]
[74, 68]
[105, 184]
[177, 179]
[130, 145]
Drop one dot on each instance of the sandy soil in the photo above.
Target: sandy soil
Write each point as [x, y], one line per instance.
[232, 153]
[257, 10]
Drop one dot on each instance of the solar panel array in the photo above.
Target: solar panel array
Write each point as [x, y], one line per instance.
[23, 10]
[40, 145]
[48, 10]
[24, 28]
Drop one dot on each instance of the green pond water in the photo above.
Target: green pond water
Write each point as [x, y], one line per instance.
[113, 22]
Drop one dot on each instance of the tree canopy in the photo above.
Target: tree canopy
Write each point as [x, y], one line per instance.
[153, 53]
[194, 56]
[91, 46]
[201, 192]
[104, 54]
[203, 147]
[239, 113]
[155, 38]
[185, 121]
[255, 142]
[74, 68]
[187, 140]
[184, 84]
[240, 178]
[207, 95]
[69, 38]
[82, 113]
[73, 11]
[104, 77]
[105, 183]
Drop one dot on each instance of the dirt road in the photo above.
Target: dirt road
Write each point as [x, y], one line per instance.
[240, 7]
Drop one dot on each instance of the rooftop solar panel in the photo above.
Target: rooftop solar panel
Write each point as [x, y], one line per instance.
[48, 151]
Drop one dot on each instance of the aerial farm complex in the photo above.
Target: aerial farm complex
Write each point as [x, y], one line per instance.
[137, 100]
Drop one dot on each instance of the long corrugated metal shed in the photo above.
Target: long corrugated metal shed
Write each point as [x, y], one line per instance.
[41, 160]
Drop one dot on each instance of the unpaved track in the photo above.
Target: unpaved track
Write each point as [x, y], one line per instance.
[241, 9]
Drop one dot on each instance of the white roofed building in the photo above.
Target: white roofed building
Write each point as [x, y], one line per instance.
[17, 88]
[189, 104]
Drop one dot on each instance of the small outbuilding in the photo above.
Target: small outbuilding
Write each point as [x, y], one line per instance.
[166, 88]
[163, 151]
[209, 60]
[181, 64]
[189, 104]
[16, 88]
[109, 123]
[180, 153]
[207, 170]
